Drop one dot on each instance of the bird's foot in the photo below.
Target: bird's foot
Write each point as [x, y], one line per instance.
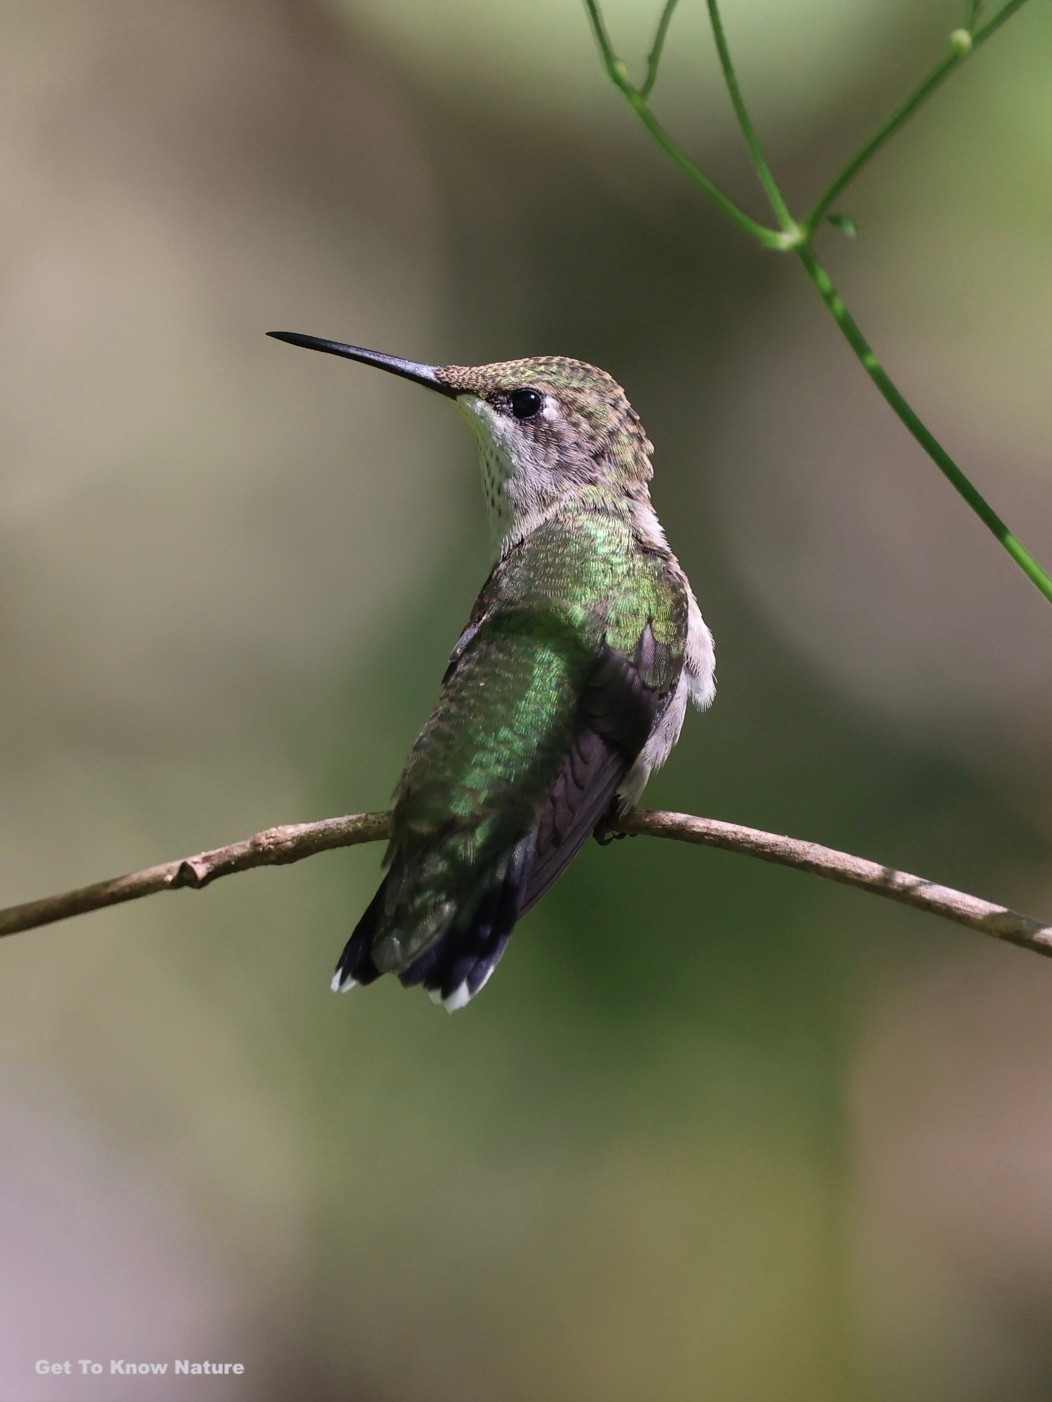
[606, 828]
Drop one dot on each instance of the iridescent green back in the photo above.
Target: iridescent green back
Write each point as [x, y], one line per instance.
[502, 729]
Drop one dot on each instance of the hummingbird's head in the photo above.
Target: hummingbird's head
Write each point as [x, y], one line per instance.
[548, 429]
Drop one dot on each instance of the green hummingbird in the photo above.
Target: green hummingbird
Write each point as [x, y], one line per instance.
[565, 691]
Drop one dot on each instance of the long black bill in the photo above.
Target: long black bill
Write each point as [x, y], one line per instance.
[408, 369]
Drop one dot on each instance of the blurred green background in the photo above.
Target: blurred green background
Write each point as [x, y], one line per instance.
[715, 1129]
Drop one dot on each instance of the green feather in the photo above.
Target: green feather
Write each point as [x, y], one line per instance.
[494, 744]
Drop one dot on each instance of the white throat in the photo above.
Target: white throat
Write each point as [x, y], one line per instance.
[513, 505]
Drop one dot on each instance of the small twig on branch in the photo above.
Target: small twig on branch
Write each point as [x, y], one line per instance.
[291, 843]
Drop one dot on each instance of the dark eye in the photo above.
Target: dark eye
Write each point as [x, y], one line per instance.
[525, 403]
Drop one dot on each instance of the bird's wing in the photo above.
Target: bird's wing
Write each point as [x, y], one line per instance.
[549, 697]
[616, 713]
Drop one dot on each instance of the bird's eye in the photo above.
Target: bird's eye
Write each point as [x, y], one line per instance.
[525, 403]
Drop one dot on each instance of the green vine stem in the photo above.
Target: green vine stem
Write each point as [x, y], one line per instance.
[636, 98]
[798, 236]
[656, 48]
[962, 43]
[759, 160]
[915, 424]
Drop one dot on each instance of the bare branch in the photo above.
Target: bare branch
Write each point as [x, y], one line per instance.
[973, 911]
[272, 847]
[294, 841]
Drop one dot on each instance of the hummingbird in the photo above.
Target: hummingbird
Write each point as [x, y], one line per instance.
[566, 690]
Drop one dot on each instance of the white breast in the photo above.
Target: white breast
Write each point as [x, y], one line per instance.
[697, 683]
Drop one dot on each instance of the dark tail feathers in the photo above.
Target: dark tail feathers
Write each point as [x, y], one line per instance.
[459, 963]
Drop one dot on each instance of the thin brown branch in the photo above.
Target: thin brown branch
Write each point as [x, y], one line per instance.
[272, 847]
[291, 843]
[996, 920]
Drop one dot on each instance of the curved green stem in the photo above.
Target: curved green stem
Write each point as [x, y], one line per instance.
[618, 73]
[798, 237]
[656, 48]
[931, 445]
[962, 43]
[759, 160]
[770, 238]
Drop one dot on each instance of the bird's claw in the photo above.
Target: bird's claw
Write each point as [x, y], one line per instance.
[606, 829]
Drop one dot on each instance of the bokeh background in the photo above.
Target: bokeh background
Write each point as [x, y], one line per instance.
[714, 1130]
